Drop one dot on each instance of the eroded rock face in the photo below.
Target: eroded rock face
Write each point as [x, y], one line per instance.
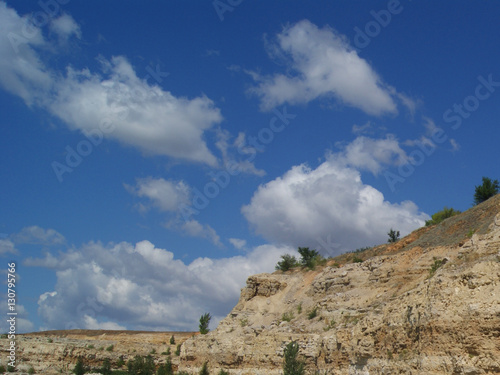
[388, 315]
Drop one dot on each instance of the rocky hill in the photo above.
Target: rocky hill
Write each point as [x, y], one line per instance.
[428, 304]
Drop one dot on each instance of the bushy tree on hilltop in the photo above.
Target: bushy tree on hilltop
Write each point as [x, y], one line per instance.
[286, 263]
[438, 217]
[393, 236]
[485, 191]
[309, 258]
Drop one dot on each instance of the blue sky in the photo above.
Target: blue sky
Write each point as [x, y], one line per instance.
[155, 154]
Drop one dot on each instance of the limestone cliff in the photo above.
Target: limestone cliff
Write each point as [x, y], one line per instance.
[429, 304]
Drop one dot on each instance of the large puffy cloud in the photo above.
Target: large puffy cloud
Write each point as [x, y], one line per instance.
[329, 207]
[115, 101]
[322, 64]
[143, 287]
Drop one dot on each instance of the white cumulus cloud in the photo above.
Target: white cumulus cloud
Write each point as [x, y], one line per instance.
[143, 287]
[115, 101]
[322, 64]
[330, 204]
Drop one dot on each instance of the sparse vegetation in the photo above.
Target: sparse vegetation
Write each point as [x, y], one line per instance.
[471, 233]
[393, 235]
[166, 368]
[50, 341]
[435, 266]
[286, 263]
[167, 352]
[31, 370]
[204, 322]
[299, 308]
[153, 351]
[120, 362]
[438, 217]
[141, 366]
[356, 259]
[287, 317]
[204, 369]
[222, 372]
[244, 322]
[172, 340]
[313, 313]
[485, 191]
[110, 348]
[329, 325]
[2, 369]
[90, 346]
[389, 355]
[106, 367]
[178, 350]
[79, 368]
[292, 365]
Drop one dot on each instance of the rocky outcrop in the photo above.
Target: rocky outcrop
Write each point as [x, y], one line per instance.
[414, 310]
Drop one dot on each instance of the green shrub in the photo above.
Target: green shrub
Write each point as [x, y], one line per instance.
[393, 236]
[204, 369]
[120, 362]
[31, 370]
[167, 352]
[204, 322]
[2, 369]
[288, 316]
[330, 325]
[435, 266]
[485, 191]
[286, 263]
[172, 340]
[141, 366]
[313, 313]
[356, 259]
[438, 217]
[223, 372]
[11, 368]
[50, 341]
[244, 322]
[182, 373]
[106, 367]
[166, 368]
[178, 350]
[79, 368]
[292, 365]
[153, 351]
[110, 348]
[309, 258]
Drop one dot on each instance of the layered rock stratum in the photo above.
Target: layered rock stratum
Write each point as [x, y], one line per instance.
[428, 304]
